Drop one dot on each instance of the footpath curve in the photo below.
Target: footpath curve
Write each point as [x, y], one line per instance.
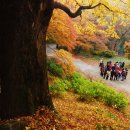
[92, 70]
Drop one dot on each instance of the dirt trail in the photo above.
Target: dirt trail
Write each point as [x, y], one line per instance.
[91, 68]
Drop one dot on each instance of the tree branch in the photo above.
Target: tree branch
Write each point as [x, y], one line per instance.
[123, 2]
[58, 5]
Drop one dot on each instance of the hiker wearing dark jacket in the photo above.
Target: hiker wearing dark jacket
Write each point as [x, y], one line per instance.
[112, 72]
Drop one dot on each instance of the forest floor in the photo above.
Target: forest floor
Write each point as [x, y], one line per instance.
[74, 114]
[77, 115]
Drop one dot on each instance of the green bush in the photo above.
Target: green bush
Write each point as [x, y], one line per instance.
[59, 87]
[84, 54]
[89, 90]
[117, 100]
[54, 68]
[61, 47]
[77, 49]
[107, 54]
[96, 52]
[80, 51]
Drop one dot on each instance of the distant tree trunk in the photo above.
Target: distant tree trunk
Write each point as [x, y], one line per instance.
[23, 72]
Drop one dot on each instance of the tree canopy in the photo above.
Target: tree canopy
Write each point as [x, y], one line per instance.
[99, 20]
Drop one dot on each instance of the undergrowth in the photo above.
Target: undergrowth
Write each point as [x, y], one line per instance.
[59, 87]
[54, 68]
[89, 90]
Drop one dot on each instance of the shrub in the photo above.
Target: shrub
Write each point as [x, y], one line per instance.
[96, 52]
[84, 54]
[61, 47]
[117, 100]
[54, 68]
[83, 50]
[59, 87]
[107, 54]
[89, 90]
[77, 50]
[78, 82]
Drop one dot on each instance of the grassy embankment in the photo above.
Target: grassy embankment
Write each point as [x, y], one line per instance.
[86, 104]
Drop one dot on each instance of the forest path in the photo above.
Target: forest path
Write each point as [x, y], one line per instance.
[91, 69]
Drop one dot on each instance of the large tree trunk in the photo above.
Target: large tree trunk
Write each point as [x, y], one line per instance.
[23, 72]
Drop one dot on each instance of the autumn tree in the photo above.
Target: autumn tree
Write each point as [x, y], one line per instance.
[123, 31]
[62, 30]
[23, 72]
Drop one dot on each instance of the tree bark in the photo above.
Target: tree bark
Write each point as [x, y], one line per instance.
[23, 72]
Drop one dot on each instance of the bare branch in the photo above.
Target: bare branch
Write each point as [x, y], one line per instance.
[123, 2]
[58, 5]
[78, 12]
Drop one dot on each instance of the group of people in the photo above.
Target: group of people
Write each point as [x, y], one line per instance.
[113, 71]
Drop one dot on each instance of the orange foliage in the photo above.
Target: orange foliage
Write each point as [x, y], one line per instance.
[62, 30]
[127, 45]
[86, 46]
[93, 41]
[127, 49]
[44, 119]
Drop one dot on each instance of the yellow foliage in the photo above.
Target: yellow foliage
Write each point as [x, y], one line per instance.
[105, 15]
[61, 30]
[27, 128]
[128, 4]
[66, 61]
[111, 31]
